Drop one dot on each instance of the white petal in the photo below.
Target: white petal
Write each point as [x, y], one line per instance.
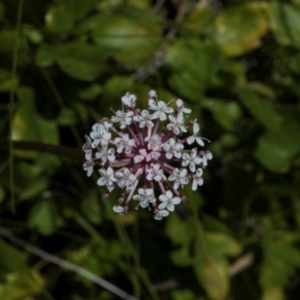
[118, 209]
[183, 172]
[196, 128]
[169, 155]
[194, 185]
[199, 141]
[179, 102]
[170, 207]
[190, 140]
[110, 171]
[164, 213]
[197, 160]
[184, 180]
[163, 117]
[162, 205]
[101, 181]
[192, 167]
[176, 200]
[169, 194]
[199, 181]
[168, 110]
[209, 155]
[199, 172]
[163, 198]
[90, 171]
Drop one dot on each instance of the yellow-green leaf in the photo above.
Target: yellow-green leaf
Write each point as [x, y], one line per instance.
[28, 125]
[239, 29]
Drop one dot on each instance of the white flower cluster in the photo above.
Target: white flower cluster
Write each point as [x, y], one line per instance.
[144, 154]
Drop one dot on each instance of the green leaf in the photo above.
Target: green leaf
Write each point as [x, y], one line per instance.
[220, 245]
[10, 259]
[198, 20]
[273, 293]
[178, 230]
[80, 70]
[22, 285]
[59, 19]
[277, 148]
[66, 117]
[44, 217]
[45, 56]
[116, 86]
[225, 113]
[183, 294]
[262, 109]
[78, 8]
[7, 83]
[80, 61]
[280, 259]
[212, 224]
[28, 125]
[285, 21]
[34, 189]
[91, 208]
[132, 35]
[187, 85]
[229, 140]
[213, 275]
[210, 263]
[7, 41]
[238, 29]
[91, 92]
[193, 63]
[32, 33]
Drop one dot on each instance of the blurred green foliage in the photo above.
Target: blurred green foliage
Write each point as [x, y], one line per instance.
[236, 64]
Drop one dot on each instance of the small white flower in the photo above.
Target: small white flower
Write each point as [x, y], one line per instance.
[168, 201]
[87, 148]
[106, 154]
[129, 100]
[124, 143]
[155, 173]
[125, 179]
[159, 214]
[177, 124]
[144, 119]
[179, 104]
[173, 148]
[88, 166]
[160, 109]
[179, 177]
[154, 142]
[123, 118]
[107, 178]
[145, 197]
[205, 156]
[191, 159]
[195, 136]
[100, 135]
[197, 179]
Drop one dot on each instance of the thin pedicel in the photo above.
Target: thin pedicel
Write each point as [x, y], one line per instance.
[143, 153]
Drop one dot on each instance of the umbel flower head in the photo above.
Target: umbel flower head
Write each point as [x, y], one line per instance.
[144, 153]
